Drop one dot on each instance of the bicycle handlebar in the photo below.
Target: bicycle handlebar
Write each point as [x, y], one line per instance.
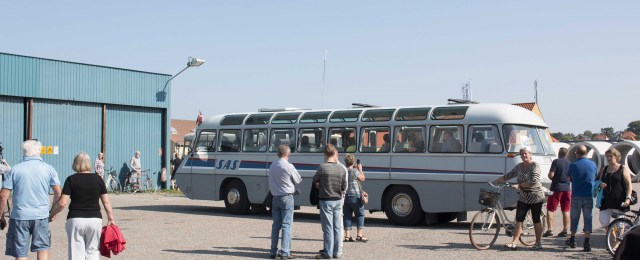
[499, 185]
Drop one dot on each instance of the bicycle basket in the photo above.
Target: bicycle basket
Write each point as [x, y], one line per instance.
[488, 198]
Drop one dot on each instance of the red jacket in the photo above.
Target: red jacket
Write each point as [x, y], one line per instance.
[111, 240]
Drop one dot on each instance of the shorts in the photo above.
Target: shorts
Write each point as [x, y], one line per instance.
[20, 232]
[522, 209]
[559, 197]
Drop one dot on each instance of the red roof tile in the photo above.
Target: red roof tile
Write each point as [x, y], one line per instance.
[183, 127]
[528, 106]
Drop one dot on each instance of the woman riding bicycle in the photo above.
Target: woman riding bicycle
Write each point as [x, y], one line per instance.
[531, 196]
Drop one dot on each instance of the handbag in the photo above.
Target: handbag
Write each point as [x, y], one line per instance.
[364, 196]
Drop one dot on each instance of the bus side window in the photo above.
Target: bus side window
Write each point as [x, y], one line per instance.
[283, 136]
[311, 140]
[229, 141]
[446, 139]
[206, 141]
[484, 139]
[255, 140]
[375, 140]
[341, 138]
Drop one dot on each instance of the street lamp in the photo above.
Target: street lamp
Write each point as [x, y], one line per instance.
[193, 62]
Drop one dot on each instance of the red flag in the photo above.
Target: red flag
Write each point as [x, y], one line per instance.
[199, 119]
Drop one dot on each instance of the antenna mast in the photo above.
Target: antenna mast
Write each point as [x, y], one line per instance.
[324, 69]
[535, 87]
[466, 91]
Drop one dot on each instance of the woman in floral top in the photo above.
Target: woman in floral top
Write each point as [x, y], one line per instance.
[531, 196]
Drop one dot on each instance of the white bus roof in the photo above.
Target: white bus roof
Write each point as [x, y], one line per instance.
[484, 113]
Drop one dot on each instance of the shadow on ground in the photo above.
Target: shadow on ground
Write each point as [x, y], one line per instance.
[250, 252]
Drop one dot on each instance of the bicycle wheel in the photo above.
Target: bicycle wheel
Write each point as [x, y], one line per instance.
[148, 185]
[114, 186]
[484, 229]
[528, 235]
[128, 187]
[615, 233]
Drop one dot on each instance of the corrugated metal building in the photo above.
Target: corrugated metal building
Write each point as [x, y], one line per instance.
[71, 107]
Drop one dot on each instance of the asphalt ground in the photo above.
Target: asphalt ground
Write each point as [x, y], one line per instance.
[169, 226]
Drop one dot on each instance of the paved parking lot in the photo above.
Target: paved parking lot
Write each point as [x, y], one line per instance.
[164, 226]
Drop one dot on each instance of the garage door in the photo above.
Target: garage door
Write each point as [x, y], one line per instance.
[65, 128]
[12, 128]
[131, 129]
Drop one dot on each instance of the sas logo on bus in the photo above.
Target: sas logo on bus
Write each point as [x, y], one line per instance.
[227, 164]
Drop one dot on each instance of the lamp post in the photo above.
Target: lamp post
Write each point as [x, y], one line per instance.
[161, 97]
[193, 62]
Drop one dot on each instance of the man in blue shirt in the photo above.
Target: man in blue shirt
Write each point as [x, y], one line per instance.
[582, 173]
[30, 181]
[283, 178]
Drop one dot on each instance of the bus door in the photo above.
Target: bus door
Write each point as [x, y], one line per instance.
[253, 164]
[311, 143]
[374, 154]
[441, 172]
[201, 165]
[485, 161]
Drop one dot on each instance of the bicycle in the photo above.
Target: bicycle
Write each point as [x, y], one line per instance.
[147, 185]
[132, 184]
[619, 227]
[112, 182]
[486, 224]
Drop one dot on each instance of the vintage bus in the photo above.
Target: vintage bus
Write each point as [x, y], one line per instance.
[420, 162]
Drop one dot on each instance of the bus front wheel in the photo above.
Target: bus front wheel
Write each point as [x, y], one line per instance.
[235, 199]
[402, 206]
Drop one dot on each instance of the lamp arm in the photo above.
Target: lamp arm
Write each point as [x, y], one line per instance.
[165, 84]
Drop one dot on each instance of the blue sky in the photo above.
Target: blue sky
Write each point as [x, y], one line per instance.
[584, 54]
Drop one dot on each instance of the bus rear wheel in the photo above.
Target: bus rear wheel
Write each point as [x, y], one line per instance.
[235, 198]
[402, 206]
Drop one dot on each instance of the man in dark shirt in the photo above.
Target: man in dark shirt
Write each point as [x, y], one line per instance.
[331, 184]
[561, 187]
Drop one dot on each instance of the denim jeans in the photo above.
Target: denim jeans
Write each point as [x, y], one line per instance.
[584, 205]
[282, 213]
[353, 206]
[331, 220]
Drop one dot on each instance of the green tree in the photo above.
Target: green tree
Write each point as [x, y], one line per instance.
[588, 133]
[568, 137]
[557, 135]
[608, 131]
[634, 127]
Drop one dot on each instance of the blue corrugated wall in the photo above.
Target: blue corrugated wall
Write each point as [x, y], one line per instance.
[131, 129]
[52, 79]
[72, 126]
[67, 111]
[12, 128]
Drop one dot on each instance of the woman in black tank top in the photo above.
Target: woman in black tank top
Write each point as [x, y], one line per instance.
[616, 187]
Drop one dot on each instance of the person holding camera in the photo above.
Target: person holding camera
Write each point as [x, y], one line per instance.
[4, 166]
[353, 206]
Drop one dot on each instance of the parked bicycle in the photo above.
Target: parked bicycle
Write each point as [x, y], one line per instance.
[112, 182]
[485, 225]
[619, 227]
[132, 183]
[147, 184]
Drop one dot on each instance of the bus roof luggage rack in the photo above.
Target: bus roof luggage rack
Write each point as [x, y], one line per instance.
[281, 109]
[362, 105]
[461, 101]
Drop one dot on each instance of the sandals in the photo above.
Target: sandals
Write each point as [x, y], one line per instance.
[361, 239]
[511, 246]
[348, 239]
[548, 233]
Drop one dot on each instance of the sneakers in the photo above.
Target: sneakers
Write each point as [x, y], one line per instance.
[562, 234]
[537, 246]
[548, 233]
[571, 243]
[587, 247]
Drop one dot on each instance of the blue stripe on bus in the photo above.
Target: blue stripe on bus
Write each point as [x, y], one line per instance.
[201, 162]
[313, 167]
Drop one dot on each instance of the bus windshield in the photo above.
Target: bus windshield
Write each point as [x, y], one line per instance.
[520, 136]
